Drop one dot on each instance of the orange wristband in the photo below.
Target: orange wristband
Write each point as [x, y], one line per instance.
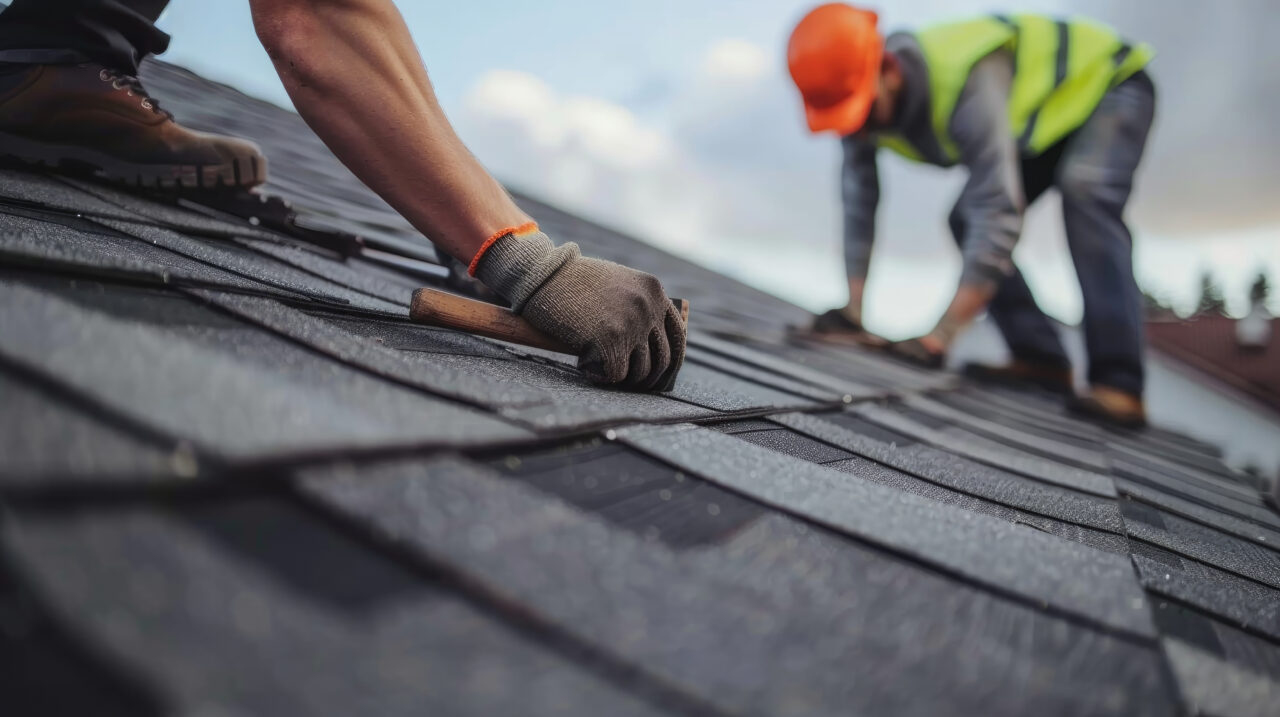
[527, 228]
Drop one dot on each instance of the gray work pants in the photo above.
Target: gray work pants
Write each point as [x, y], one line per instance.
[1093, 169]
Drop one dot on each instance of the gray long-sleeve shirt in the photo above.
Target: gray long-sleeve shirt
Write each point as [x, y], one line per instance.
[989, 212]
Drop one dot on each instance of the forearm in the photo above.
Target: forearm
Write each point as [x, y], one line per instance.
[992, 203]
[969, 301]
[355, 76]
[860, 197]
[854, 308]
[357, 79]
[857, 261]
[987, 252]
[991, 208]
[857, 255]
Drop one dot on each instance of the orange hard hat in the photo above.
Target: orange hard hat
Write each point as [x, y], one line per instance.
[834, 57]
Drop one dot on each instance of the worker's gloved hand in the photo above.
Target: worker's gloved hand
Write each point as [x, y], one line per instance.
[619, 321]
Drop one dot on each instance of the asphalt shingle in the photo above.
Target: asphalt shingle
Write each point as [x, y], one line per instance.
[334, 269]
[1220, 670]
[1039, 445]
[1211, 685]
[991, 453]
[709, 388]
[968, 476]
[763, 377]
[1239, 502]
[94, 250]
[679, 614]
[992, 552]
[228, 387]
[238, 259]
[1244, 602]
[49, 670]
[868, 470]
[543, 395]
[257, 628]
[1202, 543]
[1231, 486]
[633, 491]
[1221, 518]
[794, 444]
[770, 362]
[45, 438]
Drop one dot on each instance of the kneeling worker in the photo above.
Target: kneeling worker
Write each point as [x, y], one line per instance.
[1024, 102]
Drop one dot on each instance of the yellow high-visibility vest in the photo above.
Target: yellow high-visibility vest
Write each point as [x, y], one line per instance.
[1062, 68]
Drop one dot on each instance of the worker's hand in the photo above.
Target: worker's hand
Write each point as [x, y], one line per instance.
[622, 324]
[619, 321]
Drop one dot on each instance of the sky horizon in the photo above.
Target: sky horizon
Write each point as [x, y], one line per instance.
[681, 127]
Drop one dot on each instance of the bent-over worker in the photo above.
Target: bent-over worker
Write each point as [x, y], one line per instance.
[1024, 103]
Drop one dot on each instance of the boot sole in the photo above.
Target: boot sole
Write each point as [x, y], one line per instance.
[1085, 409]
[239, 173]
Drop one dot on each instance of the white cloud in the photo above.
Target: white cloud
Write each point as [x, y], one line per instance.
[735, 60]
[605, 132]
[611, 133]
[586, 154]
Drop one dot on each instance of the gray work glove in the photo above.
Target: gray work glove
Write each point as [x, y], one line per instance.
[619, 321]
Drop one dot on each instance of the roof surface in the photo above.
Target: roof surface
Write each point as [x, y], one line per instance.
[236, 481]
[1209, 343]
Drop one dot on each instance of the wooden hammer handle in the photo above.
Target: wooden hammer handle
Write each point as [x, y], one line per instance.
[439, 308]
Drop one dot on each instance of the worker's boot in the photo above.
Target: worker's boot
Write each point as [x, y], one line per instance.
[836, 327]
[917, 353]
[90, 119]
[836, 322]
[1110, 405]
[1023, 373]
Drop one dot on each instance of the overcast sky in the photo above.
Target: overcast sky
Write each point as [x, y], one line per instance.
[676, 121]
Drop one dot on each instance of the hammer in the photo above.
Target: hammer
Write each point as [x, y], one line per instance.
[439, 308]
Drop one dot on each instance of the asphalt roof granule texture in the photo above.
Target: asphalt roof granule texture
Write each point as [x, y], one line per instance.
[235, 480]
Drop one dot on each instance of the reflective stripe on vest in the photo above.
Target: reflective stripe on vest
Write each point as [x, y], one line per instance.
[1061, 71]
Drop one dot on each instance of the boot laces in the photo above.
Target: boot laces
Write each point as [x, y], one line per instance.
[133, 86]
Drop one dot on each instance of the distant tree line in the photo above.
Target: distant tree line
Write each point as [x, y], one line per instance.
[1211, 301]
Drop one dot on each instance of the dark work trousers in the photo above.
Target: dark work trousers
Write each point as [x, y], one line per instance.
[114, 33]
[1093, 169]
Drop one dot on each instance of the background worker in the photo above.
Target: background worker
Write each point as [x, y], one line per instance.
[69, 95]
[1023, 102]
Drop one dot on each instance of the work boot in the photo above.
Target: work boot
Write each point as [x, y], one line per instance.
[915, 352]
[1021, 373]
[836, 321]
[92, 119]
[1110, 405]
[836, 327]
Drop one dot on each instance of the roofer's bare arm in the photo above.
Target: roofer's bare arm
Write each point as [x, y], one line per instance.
[354, 74]
[356, 77]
